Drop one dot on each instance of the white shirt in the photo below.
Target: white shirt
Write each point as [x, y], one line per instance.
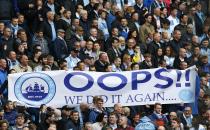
[169, 61]
[113, 126]
[137, 25]
[116, 69]
[72, 62]
[130, 3]
[77, 15]
[173, 22]
[97, 126]
[93, 38]
[201, 127]
[102, 25]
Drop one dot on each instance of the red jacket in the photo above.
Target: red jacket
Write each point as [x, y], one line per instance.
[167, 2]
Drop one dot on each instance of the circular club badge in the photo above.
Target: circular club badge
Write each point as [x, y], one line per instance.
[35, 88]
[186, 95]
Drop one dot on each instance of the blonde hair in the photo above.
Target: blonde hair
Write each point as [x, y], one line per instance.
[126, 111]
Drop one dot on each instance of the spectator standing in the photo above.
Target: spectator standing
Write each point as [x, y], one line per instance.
[14, 27]
[147, 29]
[96, 110]
[49, 29]
[199, 19]
[6, 42]
[39, 39]
[173, 19]
[60, 46]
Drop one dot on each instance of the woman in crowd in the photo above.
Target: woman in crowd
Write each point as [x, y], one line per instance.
[169, 57]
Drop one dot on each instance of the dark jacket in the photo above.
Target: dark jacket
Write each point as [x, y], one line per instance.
[112, 54]
[94, 113]
[85, 25]
[100, 67]
[71, 4]
[89, 8]
[153, 47]
[72, 40]
[47, 30]
[177, 62]
[10, 117]
[183, 121]
[141, 11]
[57, 8]
[6, 9]
[132, 26]
[38, 17]
[67, 124]
[156, 59]
[155, 118]
[198, 25]
[144, 65]
[182, 28]
[60, 48]
[62, 24]
[23, 7]
[93, 15]
[54, 67]
[108, 43]
[6, 46]
[176, 45]
[43, 126]
[127, 128]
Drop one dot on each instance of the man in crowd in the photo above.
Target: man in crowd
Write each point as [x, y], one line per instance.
[98, 108]
[23, 66]
[157, 116]
[123, 124]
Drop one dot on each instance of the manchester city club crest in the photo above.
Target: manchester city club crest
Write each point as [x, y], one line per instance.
[35, 88]
[185, 95]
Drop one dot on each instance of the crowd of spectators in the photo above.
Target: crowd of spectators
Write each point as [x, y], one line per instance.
[104, 36]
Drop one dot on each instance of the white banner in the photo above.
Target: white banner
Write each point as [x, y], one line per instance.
[58, 88]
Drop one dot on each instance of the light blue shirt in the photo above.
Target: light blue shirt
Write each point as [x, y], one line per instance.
[205, 51]
[72, 62]
[86, 2]
[3, 76]
[53, 30]
[102, 25]
[52, 7]
[201, 16]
